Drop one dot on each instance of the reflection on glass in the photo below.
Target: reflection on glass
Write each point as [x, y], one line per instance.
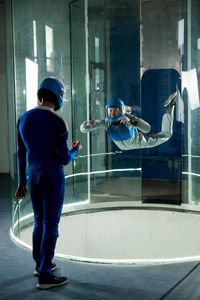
[180, 108]
[96, 61]
[190, 84]
[198, 44]
[34, 41]
[31, 84]
[181, 36]
[49, 48]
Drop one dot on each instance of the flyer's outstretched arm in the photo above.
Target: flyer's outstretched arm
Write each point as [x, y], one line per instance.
[93, 124]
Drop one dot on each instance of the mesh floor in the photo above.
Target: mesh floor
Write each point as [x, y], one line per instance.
[127, 235]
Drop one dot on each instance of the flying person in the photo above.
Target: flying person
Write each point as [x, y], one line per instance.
[129, 132]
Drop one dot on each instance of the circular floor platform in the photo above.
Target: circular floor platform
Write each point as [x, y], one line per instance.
[127, 235]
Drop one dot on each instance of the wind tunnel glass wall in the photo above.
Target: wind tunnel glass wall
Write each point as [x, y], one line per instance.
[42, 49]
[139, 51]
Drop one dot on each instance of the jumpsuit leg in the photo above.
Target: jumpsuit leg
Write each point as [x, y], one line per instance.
[167, 124]
[37, 204]
[52, 185]
[143, 140]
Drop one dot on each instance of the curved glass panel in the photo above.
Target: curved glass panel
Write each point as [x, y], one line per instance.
[139, 51]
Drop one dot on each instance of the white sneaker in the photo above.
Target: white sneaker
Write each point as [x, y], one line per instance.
[171, 100]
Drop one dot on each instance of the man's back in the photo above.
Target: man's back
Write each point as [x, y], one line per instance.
[40, 129]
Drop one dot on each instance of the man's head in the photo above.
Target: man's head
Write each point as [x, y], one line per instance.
[115, 109]
[51, 90]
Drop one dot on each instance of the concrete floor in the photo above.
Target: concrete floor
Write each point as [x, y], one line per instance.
[179, 281]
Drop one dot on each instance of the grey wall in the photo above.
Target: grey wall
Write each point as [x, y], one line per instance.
[159, 35]
[4, 160]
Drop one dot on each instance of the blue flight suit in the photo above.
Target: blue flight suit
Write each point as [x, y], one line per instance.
[43, 134]
[129, 136]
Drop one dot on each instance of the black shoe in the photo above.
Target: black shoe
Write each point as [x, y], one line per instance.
[50, 281]
[36, 273]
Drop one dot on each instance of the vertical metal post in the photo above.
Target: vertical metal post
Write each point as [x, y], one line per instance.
[11, 95]
[87, 87]
[18, 217]
[189, 65]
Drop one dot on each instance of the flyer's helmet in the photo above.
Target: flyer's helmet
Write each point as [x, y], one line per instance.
[55, 91]
[115, 109]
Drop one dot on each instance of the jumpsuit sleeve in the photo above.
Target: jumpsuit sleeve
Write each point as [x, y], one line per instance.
[97, 124]
[139, 123]
[65, 156]
[21, 157]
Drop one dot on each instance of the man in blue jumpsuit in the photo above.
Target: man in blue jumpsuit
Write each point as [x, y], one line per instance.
[43, 135]
[129, 132]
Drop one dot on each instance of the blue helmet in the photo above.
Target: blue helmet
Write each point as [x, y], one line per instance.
[56, 88]
[115, 109]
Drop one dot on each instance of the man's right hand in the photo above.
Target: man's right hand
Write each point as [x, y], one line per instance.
[125, 120]
[21, 191]
[77, 143]
[91, 122]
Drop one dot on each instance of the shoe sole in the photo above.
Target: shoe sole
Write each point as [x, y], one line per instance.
[49, 286]
[128, 109]
[36, 273]
[170, 99]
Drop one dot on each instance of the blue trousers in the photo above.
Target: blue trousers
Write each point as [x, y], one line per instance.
[47, 187]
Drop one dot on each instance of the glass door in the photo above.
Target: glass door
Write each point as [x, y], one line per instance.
[103, 36]
[80, 96]
[162, 35]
